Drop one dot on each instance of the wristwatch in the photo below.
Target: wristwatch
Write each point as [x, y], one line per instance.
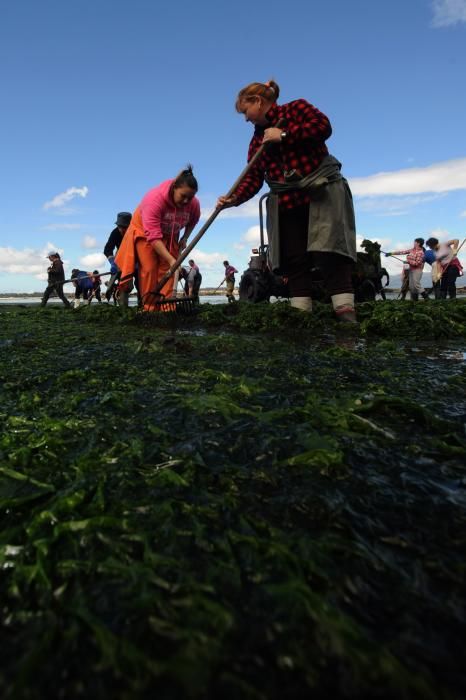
[283, 135]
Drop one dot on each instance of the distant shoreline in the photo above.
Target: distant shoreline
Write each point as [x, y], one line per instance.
[206, 291]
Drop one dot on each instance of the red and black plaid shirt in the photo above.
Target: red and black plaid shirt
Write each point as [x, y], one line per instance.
[303, 150]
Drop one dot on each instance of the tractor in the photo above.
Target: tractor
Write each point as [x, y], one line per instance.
[258, 283]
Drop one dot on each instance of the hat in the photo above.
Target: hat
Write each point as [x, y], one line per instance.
[123, 219]
[52, 254]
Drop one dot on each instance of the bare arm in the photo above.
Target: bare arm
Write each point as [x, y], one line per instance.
[162, 250]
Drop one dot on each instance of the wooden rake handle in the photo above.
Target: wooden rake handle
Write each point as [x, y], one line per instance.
[213, 216]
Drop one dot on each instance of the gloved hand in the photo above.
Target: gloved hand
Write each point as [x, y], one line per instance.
[113, 267]
[388, 255]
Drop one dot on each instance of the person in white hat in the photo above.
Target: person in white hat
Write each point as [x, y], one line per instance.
[56, 277]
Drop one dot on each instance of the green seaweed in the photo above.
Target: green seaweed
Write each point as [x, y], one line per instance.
[247, 503]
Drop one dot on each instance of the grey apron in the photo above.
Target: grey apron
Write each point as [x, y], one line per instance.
[332, 227]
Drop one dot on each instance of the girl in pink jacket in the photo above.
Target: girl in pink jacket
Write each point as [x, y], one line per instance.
[153, 238]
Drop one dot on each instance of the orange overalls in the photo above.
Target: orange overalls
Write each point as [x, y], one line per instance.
[134, 249]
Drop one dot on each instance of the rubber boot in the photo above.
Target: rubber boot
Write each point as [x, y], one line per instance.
[302, 303]
[425, 295]
[123, 299]
[343, 305]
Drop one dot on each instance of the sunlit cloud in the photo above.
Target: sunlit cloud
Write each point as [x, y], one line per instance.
[447, 13]
[93, 261]
[89, 242]
[29, 261]
[208, 261]
[63, 198]
[445, 176]
[248, 210]
[393, 206]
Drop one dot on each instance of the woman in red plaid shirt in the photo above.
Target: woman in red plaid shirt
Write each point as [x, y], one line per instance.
[310, 216]
[415, 258]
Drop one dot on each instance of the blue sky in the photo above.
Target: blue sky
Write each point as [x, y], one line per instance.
[101, 100]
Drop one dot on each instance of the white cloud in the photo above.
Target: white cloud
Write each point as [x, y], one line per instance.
[248, 210]
[61, 227]
[93, 261]
[448, 12]
[393, 206]
[29, 261]
[209, 261]
[89, 242]
[61, 199]
[440, 177]
[463, 214]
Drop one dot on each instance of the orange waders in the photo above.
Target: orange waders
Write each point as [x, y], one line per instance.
[151, 267]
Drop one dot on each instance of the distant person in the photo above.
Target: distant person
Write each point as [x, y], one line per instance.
[436, 269]
[230, 272]
[96, 282]
[55, 278]
[451, 268]
[415, 260]
[310, 215]
[153, 237]
[193, 280]
[83, 285]
[112, 246]
[113, 243]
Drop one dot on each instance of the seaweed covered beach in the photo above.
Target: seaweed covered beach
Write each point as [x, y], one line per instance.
[245, 503]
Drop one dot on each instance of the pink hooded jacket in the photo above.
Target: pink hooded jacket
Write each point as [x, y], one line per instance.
[161, 219]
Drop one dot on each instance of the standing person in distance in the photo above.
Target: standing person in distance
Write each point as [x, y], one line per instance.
[415, 260]
[193, 280]
[153, 237]
[450, 266]
[230, 280]
[55, 278]
[310, 216]
[436, 270]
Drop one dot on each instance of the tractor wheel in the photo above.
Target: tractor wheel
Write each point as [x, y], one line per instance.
[254, 287]
[366, 291]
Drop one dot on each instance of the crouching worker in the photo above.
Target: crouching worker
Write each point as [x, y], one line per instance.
[153, 237]
[96, 283]
[83, 284]
[55, 278]
[310, 216]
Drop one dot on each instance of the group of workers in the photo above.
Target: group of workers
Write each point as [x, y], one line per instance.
[444, 262]
[310, 215]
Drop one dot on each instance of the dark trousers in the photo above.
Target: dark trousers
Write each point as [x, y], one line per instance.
[58, 288]
[85, 292]
[448, 282]
[296, 263]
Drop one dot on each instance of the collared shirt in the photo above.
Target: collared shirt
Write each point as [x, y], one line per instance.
[414, 257]
[302, 150]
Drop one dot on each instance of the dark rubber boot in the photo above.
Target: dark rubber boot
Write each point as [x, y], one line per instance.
[415, 296]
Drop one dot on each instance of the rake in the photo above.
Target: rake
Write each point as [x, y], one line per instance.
[186, 305]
